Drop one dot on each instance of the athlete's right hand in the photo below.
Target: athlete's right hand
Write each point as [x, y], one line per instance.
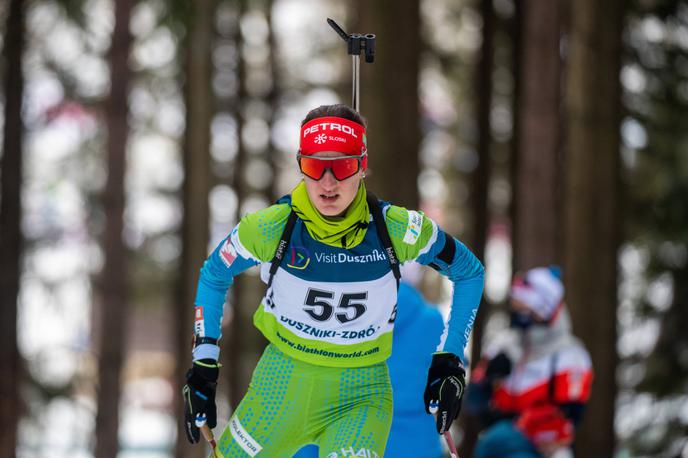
[199, 396]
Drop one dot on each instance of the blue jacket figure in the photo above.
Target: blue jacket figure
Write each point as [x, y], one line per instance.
[417, 331]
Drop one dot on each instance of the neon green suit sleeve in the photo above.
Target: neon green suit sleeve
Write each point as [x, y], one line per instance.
[411, 232]
[259, 233]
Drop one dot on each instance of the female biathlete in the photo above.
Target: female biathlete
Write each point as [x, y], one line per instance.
[330, 254]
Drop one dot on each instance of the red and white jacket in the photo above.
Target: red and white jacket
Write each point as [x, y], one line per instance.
[549, 366]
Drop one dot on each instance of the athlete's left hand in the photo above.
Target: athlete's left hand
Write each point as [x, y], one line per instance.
[199, 397]
[444, 390]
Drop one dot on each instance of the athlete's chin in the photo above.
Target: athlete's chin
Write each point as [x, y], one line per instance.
[331, 210]
[330, 207]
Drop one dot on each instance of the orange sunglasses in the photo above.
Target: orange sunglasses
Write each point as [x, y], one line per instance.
[342, 167]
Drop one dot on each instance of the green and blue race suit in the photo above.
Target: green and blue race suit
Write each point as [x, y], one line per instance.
[330, 308]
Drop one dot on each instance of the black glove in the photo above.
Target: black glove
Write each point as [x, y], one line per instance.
[199, 396]
[498, 367]
[444, 390]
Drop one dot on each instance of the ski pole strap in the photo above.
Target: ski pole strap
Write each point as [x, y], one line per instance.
[282, 246]
[379, 220]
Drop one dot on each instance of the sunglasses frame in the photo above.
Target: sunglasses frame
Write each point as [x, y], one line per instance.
[358, 158]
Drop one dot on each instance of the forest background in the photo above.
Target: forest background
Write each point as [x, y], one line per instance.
[135, 133]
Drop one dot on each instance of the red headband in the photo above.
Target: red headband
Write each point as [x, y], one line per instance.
[333, 134]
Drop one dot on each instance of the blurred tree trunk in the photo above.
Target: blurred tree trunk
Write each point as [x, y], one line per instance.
[479, 191]
[516, 33]
[10, 229]
[481, 177]
[246, 343]
[389, 98]
[240, 324]
[113, 284]
[195, 223]
[273, 103]
[592, 230]
[536, 189]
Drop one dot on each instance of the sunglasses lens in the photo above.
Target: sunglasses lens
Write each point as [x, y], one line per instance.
[344, 168]
[312, 167]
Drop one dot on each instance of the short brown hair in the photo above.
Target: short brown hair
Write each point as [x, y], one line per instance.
[338, 110]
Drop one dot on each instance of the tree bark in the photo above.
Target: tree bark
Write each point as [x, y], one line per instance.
[11, 239]
[273, 102]
[479, 191]
[195, 190]
[234, 356]
[389, 98]
[592, 230]
[246, 343]
[481, 177]
[536, 189]
[516, 34]
[113, 283]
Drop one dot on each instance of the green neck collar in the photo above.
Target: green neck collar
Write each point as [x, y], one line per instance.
[344, 231]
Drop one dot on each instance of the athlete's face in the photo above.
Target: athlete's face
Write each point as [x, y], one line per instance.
[330, 196]
[520, 307]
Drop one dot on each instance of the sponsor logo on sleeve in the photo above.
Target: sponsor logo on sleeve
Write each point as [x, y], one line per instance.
[199, 323]
[228, 252]
[415, 223]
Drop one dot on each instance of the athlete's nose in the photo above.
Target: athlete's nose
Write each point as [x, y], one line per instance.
[328, 180]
